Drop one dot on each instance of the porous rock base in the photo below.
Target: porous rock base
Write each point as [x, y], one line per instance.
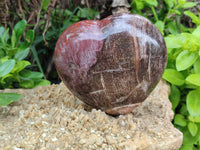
[52, 118]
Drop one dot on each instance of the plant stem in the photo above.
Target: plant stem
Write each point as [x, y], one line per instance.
[178, 20]
[154, 13]
[35, 54]
[168, 13]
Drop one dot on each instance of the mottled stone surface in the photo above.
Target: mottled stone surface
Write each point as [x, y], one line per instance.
[112, 64]
[52, 118]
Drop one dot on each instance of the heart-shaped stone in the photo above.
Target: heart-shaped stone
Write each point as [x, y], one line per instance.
[112, 64]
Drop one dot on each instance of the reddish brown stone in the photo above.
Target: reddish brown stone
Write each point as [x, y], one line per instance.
[112, 63]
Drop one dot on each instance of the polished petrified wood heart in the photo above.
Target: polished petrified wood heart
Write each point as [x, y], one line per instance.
[112, 64]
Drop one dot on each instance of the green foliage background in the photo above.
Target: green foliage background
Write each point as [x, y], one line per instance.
[22, 51]
[14, 71]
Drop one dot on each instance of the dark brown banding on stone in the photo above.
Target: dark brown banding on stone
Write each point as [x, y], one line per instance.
[136, 48]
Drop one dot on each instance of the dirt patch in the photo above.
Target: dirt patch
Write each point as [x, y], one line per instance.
[52, 118]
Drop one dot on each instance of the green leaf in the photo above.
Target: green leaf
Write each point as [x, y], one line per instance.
[196, 66]
[75, 19]
[191, 43]
[188, 5]
[194, 79]
[22, 54]
[29, 37]
[27, 75]
[67, 12]
[6, 67]
[192, 127]
[9, 77]
[172, 27]
[194, 119]
[5, 37]
[152, 2]
[193, 102]
[2, 30]
[171, 61]
[185, 59]
[4, 59]
[2, 54]
[28, 40]
[27, 84]
[139, 4]
[19, 29]
[174, 77]
[7, 98]
[13, 39]
[174, 41]
[188, 139]
[93, 13]
[160, 25]
[45, 3]
[180, 2]
[194, 18]
[174, 96]
[42, 82]
[187, 147]
[196, 32]
[20, 65]
[183, 110]
[180, 120]
[170, 3]
[83, 13]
